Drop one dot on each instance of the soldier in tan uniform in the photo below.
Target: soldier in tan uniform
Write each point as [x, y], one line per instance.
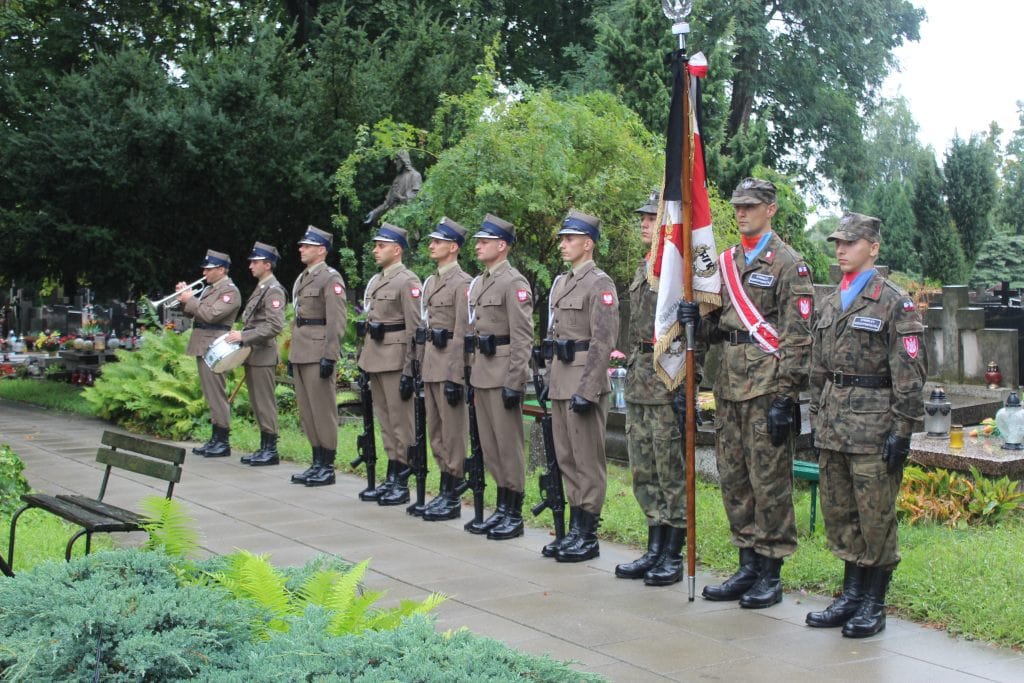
[262, 321]
[501, 315]
[764, 332]
[867, 375]
[392, 305]
[319, 298]
[446, 315]
[583, 323]
[653, 435]
[213, 311]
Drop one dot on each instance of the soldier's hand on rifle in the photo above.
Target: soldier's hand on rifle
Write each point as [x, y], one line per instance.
[689, 312]
[580, 405]
[895, 452]
[780, 419]
[511, 398]
[326, 368]
[543, 395]
[453, 393]
[405, 387]
[290, 369]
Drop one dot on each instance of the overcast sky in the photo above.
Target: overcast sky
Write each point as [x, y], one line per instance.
[974, 45]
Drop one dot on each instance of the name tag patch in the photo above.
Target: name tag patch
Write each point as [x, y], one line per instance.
[761, 280]
[869, 324]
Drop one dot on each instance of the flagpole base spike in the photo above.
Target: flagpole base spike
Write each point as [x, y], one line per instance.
[692, 581]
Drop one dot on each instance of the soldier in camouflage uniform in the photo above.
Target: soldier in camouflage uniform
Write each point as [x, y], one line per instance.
[653, 435]
[867, 375]
[764, 332]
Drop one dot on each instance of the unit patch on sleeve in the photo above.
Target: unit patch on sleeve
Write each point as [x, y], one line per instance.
[523, 295]
[608, 298]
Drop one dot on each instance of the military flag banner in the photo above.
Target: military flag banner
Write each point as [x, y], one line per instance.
[684, 207]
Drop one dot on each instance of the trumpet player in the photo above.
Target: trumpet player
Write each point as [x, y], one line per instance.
[262, 321]
[213, 311]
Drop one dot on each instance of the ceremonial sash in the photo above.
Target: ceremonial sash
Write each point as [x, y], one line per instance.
[761, 331]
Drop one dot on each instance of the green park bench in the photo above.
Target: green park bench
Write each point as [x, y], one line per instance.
[808, 471]
[130, 453]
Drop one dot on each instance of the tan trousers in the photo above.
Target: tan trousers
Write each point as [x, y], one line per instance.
[579, 445]
[501, 437]
[215, 393]
[448, 428]
[259, 380]
[318, 406]
[394, 416]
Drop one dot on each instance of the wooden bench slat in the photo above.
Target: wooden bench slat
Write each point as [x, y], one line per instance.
[162, 451]
[84, 518]
[100, 508]
[140, 465]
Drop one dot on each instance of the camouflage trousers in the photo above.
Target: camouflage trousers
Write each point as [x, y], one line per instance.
[756, 478]
[858, 504]
[655, 447]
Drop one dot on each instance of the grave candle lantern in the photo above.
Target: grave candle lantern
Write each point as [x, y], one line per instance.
[937, 411]
[1010, 421]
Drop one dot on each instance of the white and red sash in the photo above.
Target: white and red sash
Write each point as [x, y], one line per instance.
[761, 331]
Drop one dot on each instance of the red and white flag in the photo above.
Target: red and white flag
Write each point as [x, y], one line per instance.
[667, 265]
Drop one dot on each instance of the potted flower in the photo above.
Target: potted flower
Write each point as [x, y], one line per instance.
[49, 342]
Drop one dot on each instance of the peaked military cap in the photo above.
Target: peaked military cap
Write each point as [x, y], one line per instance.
[450, 231]
[317, 237]
[494, 228]
[216, 259]
[392, 233]
[578, 223]
[264, 252]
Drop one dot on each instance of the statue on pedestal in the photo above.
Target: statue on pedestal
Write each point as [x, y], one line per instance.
[404, 187]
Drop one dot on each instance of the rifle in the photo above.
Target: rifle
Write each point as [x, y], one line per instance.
[473, 466]
[550, 481]
[417, 452]
[366, 446]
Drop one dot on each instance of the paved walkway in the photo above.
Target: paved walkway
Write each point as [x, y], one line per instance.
[505, 590]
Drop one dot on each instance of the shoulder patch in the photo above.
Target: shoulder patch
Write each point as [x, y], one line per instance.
[276, 303]
[608, 298]
[416, 292]
[908, 305]
[226, 298]
[805, 305]
[523, 295]
[803, 271]
[911, 345]
[768, 255]
[338, 289]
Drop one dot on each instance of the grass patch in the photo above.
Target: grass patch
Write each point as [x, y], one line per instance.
[42, 537]
[51, 395]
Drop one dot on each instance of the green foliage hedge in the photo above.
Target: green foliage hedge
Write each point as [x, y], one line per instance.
[12, 481]
[125, 616]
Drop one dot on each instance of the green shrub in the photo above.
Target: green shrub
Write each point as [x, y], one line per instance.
[12, 481]
[955, 499]
[154, 389]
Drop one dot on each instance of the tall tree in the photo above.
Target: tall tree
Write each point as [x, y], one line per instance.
[892, 203]
[970, 188]
[942, 257]
[1009, 212]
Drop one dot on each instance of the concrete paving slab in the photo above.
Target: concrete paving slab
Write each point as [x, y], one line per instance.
[620, 629]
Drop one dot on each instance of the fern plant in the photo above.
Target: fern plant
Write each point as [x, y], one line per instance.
[154, 389]
[251, 576]
[171, 529]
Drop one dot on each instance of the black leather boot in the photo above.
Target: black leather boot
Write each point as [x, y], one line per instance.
[585, 545]
[512, 524]
[268, 455]
[442, 493]
[638, 567]
[496, 517]
[324, 476]
[669, 569]
[201, 450]
[373, 495]
[551, 549]
[301, 477]
[767, 590]
[398, 491]
[449, 506]
[221, 446]
[246, 459]
[870, 616]
[736, 585]
[846, 605]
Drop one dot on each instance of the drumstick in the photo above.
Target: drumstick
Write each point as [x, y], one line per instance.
[231, 398]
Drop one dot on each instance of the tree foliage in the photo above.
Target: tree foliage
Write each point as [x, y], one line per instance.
[1009, 211]
[942, 257]
[970, 188]
[900, 249]
[1000, 259]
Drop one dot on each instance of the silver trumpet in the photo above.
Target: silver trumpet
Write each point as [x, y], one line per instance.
[173, 298]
